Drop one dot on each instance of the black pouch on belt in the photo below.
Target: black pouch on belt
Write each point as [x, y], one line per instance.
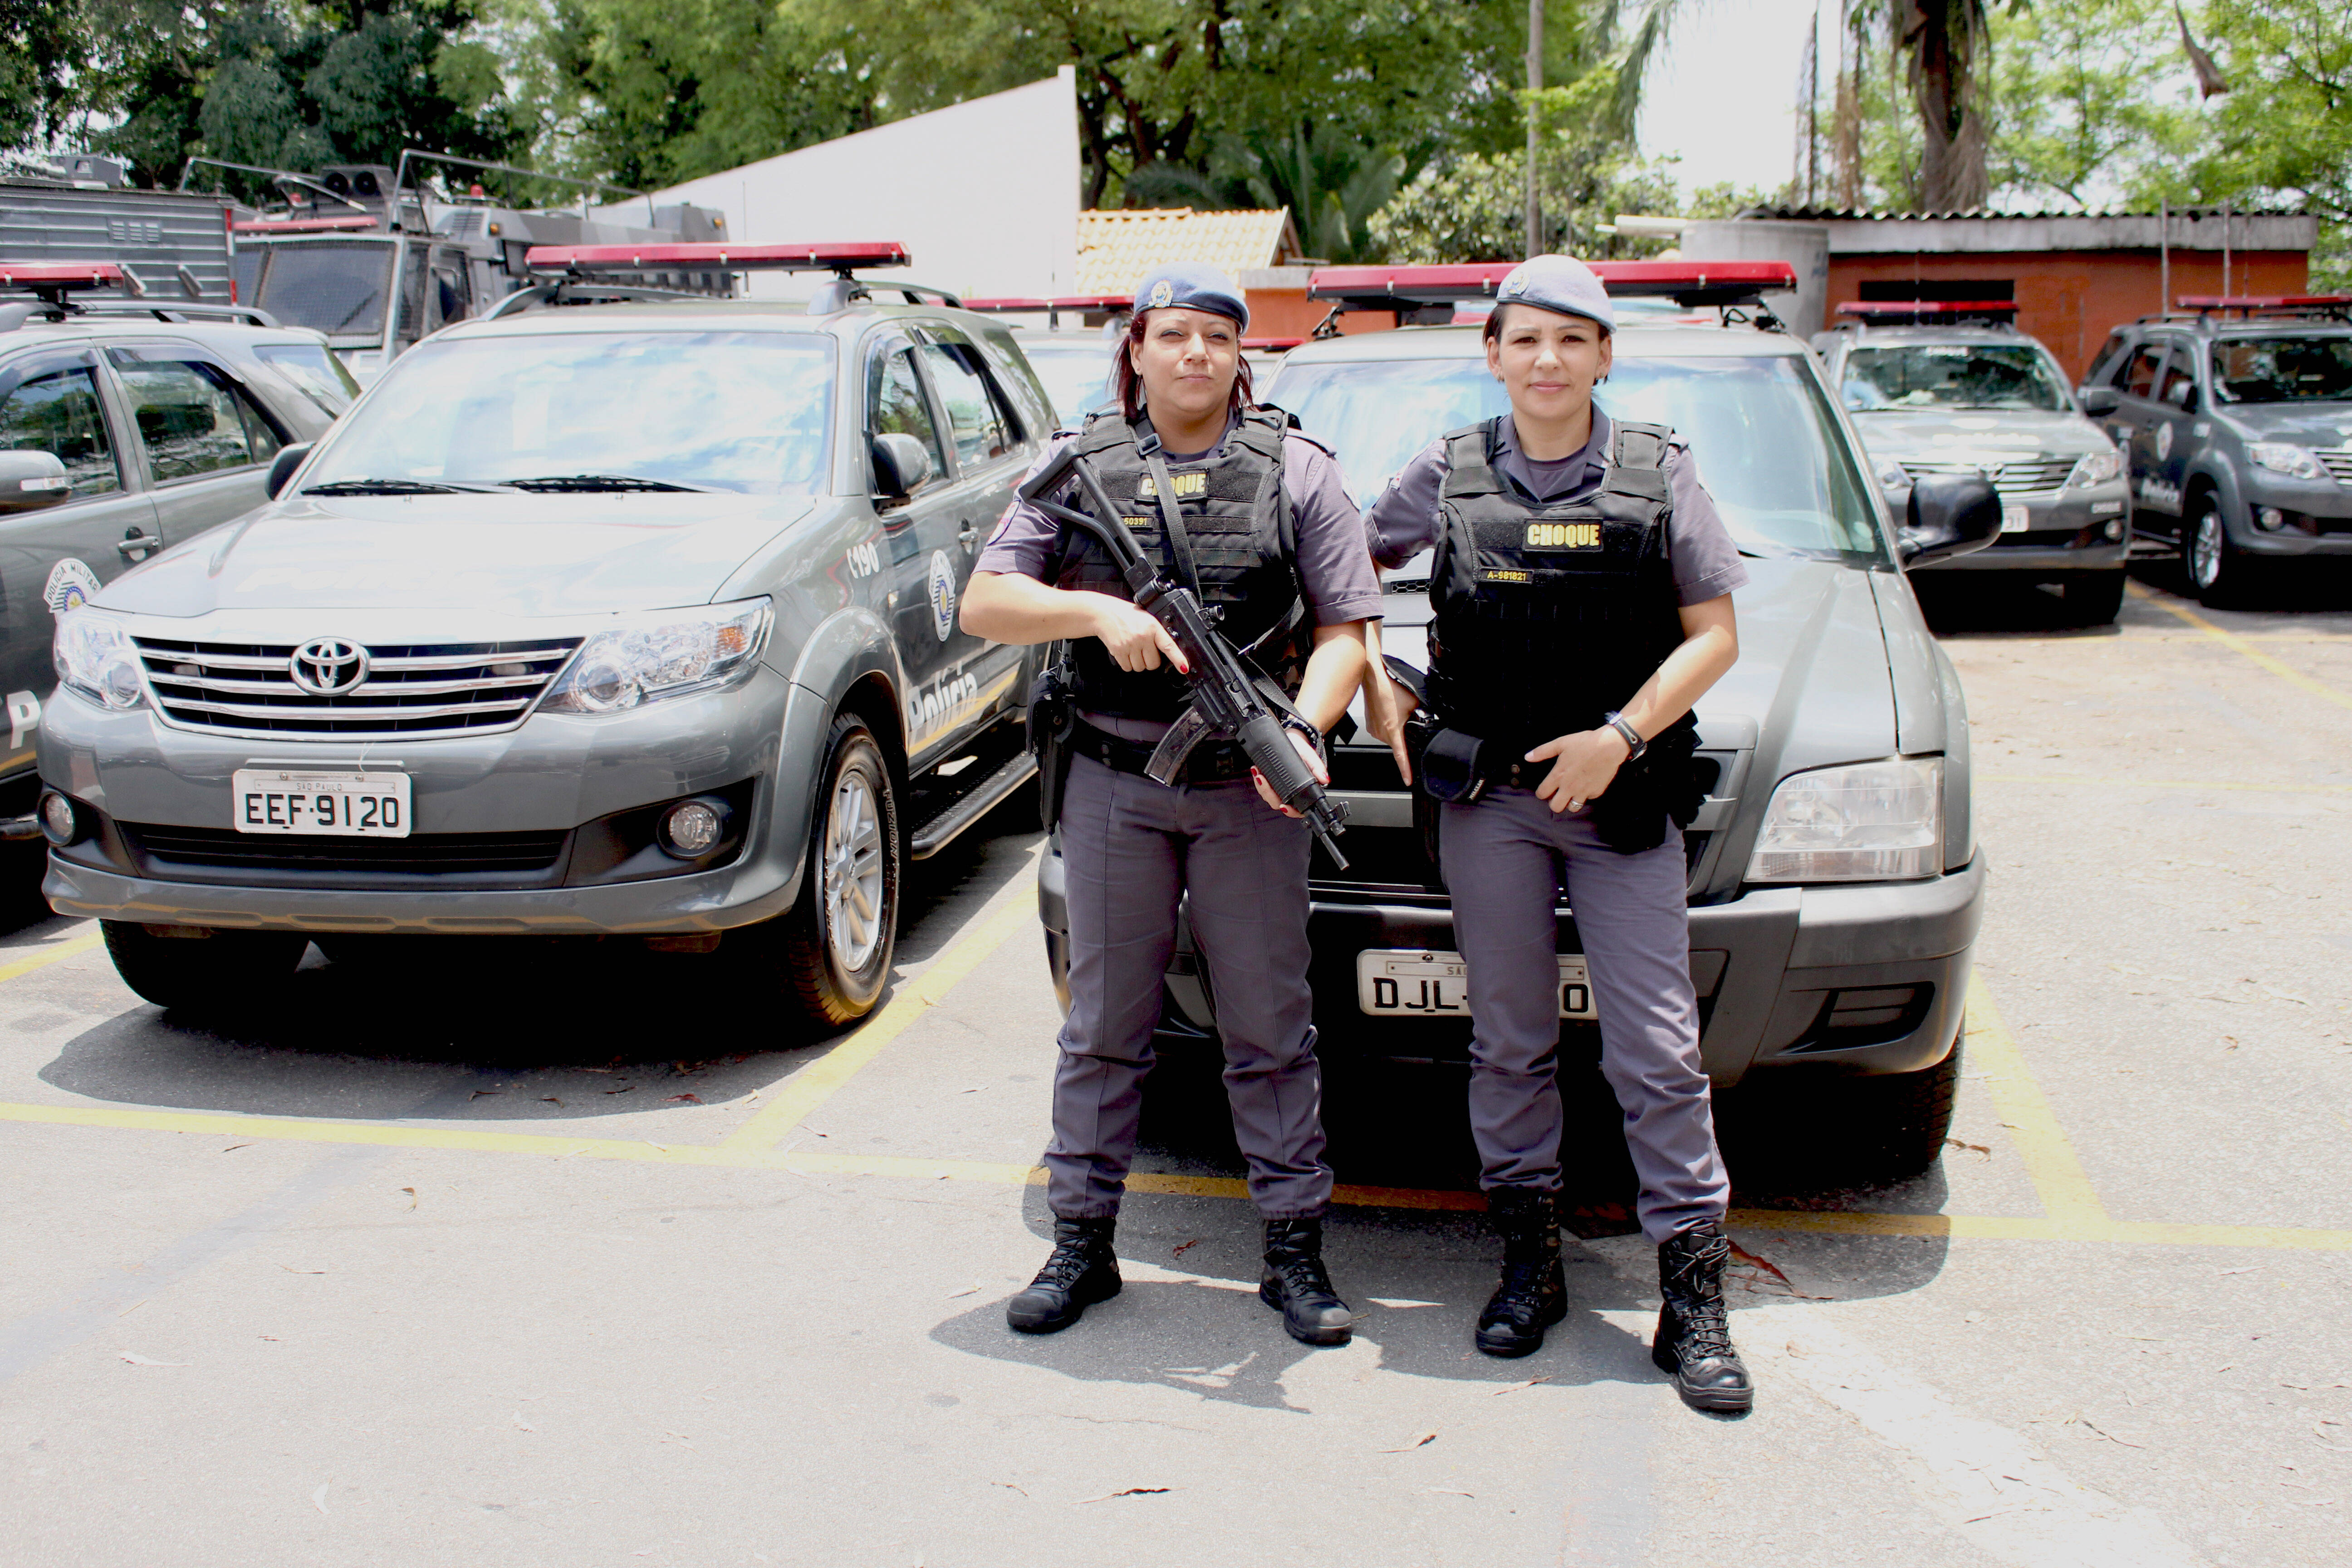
[1632, 814]
[1051, 715]
[1451, 767]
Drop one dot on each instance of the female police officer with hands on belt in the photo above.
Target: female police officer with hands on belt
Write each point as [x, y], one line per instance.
[1274, 543]
[1581, 602]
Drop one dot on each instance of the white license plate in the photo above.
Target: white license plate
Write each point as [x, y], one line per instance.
[2015, 519]
[339, 804]
[1394, 982]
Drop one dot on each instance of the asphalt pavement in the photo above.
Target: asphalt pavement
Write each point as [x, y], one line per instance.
[513, 1254]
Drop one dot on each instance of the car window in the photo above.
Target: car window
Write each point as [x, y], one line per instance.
[2283, 368]
[2106, 355]
[746, 412]
[1077, 375]
[59, 414]
[1952, 375]
[2139, 376]
[2179, 376]
[191, 418]
[319, 375]
[895, 398]
[1768, 445]
[976, 417]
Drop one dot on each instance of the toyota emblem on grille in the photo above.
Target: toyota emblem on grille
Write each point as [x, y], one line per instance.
[328, 667]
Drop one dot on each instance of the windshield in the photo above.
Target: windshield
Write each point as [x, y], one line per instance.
[339, 287]
[1768, 448]
[2283, 370]
[1954, 376]
[319, 375]
[1077, 374]
[746, 412]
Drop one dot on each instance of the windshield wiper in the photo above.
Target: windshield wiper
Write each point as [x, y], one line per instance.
[579, 484]
[393, 488]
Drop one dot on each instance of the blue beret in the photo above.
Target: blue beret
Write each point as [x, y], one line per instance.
[1193, 285]
[1559, 283]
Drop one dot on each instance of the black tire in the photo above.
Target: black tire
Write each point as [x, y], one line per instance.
[1898, 1122]
[2093, 598]
[2216, 571]
[226, 969]
[838, 940]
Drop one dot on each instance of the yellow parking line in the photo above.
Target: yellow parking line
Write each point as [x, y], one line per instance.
[42, 957]
[815, 1083]
[2198, 786]
[2239, 645]
[2058, 1177]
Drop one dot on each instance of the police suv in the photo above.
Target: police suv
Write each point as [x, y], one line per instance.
[1836, 881]
[611, 616]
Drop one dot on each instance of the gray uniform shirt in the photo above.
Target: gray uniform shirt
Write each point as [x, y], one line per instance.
[1402, 521]
[1332, 566]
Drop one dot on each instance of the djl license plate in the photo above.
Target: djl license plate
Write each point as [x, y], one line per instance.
[1404, 983]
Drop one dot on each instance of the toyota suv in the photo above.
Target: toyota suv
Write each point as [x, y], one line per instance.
[1836, 881]
[2239, 433]
[632, 619]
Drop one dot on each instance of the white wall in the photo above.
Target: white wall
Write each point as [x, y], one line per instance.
[984, 196]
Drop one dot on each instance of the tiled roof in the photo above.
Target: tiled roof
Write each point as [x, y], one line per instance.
[1853, 215]
[1118, 246]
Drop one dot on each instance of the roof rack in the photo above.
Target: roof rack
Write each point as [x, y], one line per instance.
[1693, 284]
[345, 223]
[51, 283]
[2248, 305]
[1929, 312]
[576, 274]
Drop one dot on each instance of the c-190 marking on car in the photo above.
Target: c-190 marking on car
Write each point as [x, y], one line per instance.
[620, 620]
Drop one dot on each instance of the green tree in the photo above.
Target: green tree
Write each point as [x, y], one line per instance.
[2281, 136]
[2077, 114]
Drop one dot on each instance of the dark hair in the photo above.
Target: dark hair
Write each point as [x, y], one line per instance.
[1129, 385]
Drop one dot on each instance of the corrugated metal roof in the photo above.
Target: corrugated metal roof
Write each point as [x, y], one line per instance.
[1867, 214]
[1118, 246]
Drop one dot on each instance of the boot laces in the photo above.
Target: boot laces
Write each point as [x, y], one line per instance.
[1520, 1294]
[1303, 1276]
[1069, 1262]
[1694, 1291]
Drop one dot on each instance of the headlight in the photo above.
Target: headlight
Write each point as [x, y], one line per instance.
[2095, 469]
[95, 658]
[673, 654]
[1866, 823]
[1891, 474]
[2295, 462]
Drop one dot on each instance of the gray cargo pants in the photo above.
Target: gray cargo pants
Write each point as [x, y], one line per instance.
[1506, 859]
[1130, 848]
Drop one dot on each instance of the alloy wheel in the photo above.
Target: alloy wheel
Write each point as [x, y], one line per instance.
[853, 872]
[2205, 549]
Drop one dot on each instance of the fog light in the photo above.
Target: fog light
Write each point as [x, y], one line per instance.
[60, 823]
[2271, 518]
[2115, 528]
[689, 828]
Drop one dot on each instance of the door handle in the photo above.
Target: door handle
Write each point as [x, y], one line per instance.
[135, 543]
[967, 535]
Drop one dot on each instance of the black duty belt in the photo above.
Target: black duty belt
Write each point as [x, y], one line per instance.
[1211, 762]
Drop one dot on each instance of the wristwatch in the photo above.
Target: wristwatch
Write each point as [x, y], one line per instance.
[1634, 744]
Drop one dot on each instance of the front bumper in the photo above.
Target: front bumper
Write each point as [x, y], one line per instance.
[583, 780]
[2306, 517]
[2066, 531]
[1861, 979]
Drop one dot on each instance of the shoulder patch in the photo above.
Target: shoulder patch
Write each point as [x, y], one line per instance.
[1295, 434]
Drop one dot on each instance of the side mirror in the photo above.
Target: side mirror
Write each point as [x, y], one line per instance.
[901, 464]
[1948, 515]
[2099, 401]
[32, 480]
[282, 467]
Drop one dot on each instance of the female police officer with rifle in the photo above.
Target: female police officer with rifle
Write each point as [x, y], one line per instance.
[1249, 517]
[1580, 601]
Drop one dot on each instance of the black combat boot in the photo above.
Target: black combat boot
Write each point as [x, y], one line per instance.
[1296, 1284]
[1083, 1270]
[1533, 1295]
[1694, 1342]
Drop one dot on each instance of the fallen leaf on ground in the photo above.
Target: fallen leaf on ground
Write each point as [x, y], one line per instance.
[2085, 1423]
[1515, 1387]
[133, 1308]
[137, 1360]
[549, 1099]
[975, 1089]
[675, 1437]
[651, 1144]
[235, 1147]
[1182, 1246]
[1128, 1491]
[632, 1088]
[291, 1269]
[521, 1424]
[2250, 1269]
[318, 1497]
[479, 1092]
[1979, 1148]
[1452, 1491]
[412, 1195]
[1417, 1440]
[1741, 1255]
[1008, 1486]
[967, 1290]
[690, 1099]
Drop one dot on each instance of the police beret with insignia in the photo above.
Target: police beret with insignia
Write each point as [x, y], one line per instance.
[1193, 285]
[1559, 283]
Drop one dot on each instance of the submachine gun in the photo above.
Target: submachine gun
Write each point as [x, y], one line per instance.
[1227, 704]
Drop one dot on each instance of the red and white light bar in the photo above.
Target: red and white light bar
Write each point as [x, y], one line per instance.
[843, 257]
[49, 276]
[1060, 302]
[1691, 283]
[1918, 310]
[343, 224]
[2264, 302]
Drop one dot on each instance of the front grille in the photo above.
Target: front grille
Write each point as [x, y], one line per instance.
[2022, 476]
[413, 689]
[521, 856]
[2339, 463]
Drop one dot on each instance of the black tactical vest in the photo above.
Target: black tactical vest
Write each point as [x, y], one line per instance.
[1547, 616]
[1238, 525]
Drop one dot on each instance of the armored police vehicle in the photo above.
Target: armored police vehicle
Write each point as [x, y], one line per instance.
[632, 619]
[1952, 388]
[2238, 432]
[1835, 880]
